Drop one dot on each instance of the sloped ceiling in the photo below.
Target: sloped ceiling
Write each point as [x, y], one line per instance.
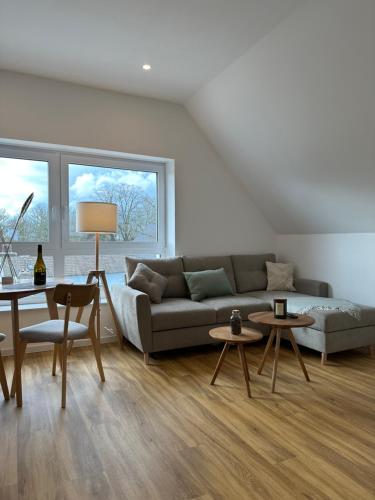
[294, 118]
[104, 43]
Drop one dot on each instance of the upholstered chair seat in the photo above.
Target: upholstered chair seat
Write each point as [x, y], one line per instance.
[53, 331]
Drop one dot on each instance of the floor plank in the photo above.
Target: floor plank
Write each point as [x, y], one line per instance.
[162, 432]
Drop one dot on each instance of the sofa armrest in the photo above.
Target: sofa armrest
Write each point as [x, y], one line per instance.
[134, 314]
[311, 287]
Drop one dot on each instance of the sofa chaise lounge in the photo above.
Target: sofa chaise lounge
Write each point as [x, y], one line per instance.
[180, 322]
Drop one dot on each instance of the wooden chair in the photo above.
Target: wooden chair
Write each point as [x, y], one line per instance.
[61, 331]
[3, 379]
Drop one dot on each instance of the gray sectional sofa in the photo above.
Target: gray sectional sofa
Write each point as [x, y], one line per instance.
[179, 322]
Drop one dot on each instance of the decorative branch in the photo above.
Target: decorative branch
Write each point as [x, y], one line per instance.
[8, 258]
[23, 211]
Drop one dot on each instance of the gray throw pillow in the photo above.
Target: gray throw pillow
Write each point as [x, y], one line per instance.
[210, 283]
[148, 281]
[280, 276]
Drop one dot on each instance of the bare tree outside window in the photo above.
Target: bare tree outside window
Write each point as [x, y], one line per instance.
[135, 194]
[136, 210]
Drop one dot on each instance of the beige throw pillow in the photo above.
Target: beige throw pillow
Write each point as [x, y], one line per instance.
[280, 276]
[148, 281]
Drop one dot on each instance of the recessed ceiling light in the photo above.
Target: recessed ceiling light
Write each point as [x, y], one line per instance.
[146, 67]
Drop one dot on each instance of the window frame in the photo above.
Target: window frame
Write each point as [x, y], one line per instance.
[116, 247]
[58, 158]
[52, 158]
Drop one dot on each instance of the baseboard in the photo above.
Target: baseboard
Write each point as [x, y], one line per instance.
[48, 347]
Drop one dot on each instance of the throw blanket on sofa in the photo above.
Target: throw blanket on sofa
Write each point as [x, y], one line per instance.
[304, 305]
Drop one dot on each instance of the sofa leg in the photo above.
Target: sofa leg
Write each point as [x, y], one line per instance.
[372, 351]
[324, 358]
[146, 358]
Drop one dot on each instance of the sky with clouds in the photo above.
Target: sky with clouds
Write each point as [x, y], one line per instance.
[85, 180]
[19, 178]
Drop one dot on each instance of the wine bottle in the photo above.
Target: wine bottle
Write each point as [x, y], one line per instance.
[40, 272]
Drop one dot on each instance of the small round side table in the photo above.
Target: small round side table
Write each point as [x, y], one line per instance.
[278, 325]
[247, 336]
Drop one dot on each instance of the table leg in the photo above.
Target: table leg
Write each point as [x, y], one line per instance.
[219, 363]
[266, 351]
[241, 352]
[276, 360]
[298, 354]
[21, 356]
[16, 349]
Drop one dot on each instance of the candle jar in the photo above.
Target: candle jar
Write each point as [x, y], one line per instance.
[280, 308]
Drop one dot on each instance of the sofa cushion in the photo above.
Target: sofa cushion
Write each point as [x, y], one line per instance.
[210, 283]
[180, 313]
[280, 276]
[250, 271]
[170, 268]
[225, 305]
[193, 264]
[148, 281]
[325, 321]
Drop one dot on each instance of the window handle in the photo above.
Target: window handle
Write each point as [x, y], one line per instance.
[54, 214]
[64, 211]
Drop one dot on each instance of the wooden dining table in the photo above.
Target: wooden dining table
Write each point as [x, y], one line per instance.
[14, 293]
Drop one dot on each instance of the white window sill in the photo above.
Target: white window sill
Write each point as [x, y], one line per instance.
[42, 306]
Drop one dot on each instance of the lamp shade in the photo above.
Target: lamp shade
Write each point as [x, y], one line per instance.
[96, 217]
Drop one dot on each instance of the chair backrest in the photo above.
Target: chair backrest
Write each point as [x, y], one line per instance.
[77, 296]
[80, 295]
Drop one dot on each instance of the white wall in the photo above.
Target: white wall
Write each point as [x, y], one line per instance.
[294, 118]
[345, 261]
[214, 213]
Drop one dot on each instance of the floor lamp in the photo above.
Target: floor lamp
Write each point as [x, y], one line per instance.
[99, 218]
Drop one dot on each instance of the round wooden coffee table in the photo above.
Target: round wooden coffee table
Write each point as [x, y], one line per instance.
[223, 333]
[277, 327]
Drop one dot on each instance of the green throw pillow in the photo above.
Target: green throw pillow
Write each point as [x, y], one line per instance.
[204, 284]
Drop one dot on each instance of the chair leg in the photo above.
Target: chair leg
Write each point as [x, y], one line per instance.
[96, 348]
[3, 380]
[64, 367]
[323, 359]
[59, 353]
[55, 349]
[23, 346]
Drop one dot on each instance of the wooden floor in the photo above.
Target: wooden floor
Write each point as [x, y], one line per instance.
[163, 432]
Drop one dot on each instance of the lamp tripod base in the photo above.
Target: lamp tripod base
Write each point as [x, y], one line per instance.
[101, 277]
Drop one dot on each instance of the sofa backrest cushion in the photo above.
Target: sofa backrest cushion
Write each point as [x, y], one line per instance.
[193, 264]
[172, 269]
[250, 271]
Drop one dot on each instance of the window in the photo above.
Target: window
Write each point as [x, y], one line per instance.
[24, 176]
[61, 178]
[134, 192]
